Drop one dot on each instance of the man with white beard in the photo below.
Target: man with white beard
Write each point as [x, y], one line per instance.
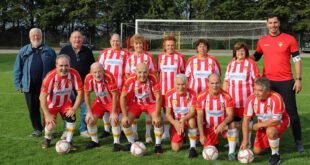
[33, 62]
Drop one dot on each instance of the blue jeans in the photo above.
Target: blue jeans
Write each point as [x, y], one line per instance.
[83, 125]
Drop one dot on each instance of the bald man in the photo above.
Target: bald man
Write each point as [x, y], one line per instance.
[216, 106]
[144, 91]
[55, 98]
[103, 84]
[81, 59]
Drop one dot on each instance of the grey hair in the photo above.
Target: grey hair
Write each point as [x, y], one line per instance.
[96, 63]
[263, 81]
[182, 76]
[35, 29]
[63, 56]
[214, 74]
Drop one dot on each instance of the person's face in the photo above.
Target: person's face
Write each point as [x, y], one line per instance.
[62, 66]
[240, 54]
[76, 40]
[214, 84]
[115, 42]
[202, 49]
[138, 46]
[260, 92]
[35, 38]
[97, 73]
[273, 25]
[170, 46]
[180, 86]
[142, 73]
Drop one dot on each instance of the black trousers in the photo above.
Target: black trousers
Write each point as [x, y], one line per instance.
[285, 89]
[33, 104]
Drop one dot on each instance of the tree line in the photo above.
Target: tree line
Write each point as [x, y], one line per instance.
[98, 18]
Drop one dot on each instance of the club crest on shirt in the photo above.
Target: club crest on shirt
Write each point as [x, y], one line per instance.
[268, 107]
[69, 81]
[109, 54]
[255, 108]
[245, 67]
[280, 44]
[136, 88]
[174, 102]
[145, 61]
[132, 63]
[55, 84]
[209, 66]
[195, 65]
[162, 61]
[207, 104]
[223, 105]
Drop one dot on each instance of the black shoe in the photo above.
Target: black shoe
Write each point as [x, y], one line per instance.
[92, 144]
[72, 147]
[127, 147]
[274, 159]
[299, 146]
[123, 136]
[117, 147]
[46, 143]
[105, 134]
[192, 153]
[158, 149]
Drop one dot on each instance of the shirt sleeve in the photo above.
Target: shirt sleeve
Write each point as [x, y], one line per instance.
[249, 109]
[193, 102]
[46, 85]
[87, 83]
[78, 85]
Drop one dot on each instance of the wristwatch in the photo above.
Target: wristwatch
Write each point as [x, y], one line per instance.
[299, 78]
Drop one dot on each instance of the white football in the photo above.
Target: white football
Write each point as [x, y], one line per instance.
[137, 149]
[210, 153]
[62, 147]
[245, 156]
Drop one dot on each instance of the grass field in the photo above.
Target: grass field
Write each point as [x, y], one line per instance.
[16, 147]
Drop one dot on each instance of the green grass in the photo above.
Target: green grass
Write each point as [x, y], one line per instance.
[16, 147]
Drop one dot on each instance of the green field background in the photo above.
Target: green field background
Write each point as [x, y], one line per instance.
[16, 147]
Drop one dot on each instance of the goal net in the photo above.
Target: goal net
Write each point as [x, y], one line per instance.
[222, 34]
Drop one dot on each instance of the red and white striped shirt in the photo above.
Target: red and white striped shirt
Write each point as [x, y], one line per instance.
[134, 60]
[143, 92]
[169, 66]
[59, 88]
[241, 77]
[271, 108]
[214, 108]
[180, 104]
[102, 88]
[198, 71]
[115, 62]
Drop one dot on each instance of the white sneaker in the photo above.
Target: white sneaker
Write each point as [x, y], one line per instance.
[165, 136]
[64, 135]
[148, 138]
[85, 134]
[135, 136]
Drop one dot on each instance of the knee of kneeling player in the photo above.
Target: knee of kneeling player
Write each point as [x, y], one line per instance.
[272, 133]
[258, 151]
[176, 147]
[71, 119]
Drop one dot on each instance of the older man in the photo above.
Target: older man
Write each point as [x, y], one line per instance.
[103, 84]
[272, 117]
[216, 106]
[81, 59]
[180, 103]
[55, 98]
[113, 60]
[32, 63]
[144, 91]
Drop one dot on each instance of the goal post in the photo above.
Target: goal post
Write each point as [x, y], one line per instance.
[222, 34]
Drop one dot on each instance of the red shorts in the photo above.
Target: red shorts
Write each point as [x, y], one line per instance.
[99, 108]
[138, 109]
[175, 137]
[261, 139]
[238, 112]
[212, 137]
[62, 110]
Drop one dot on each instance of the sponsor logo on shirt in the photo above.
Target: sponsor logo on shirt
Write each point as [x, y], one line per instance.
[237, 76]
[202, 74]
[169, 68]
[113, 62]
[181, 110]
[215, 113]
[62, 92]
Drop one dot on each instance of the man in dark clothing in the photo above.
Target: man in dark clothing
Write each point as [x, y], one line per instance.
[32, 64]
[81, 60]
